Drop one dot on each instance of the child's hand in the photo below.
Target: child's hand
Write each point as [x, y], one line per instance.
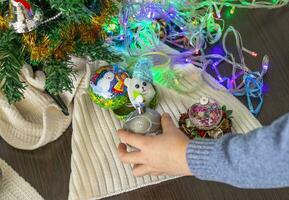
[161, 154]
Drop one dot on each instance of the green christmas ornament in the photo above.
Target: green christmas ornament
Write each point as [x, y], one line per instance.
[107, 88]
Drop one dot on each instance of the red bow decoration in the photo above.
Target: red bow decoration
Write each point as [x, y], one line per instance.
[26, 4]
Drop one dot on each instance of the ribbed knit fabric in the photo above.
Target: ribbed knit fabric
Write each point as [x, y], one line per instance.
[198, 155]
[32, 123]
[96, 170]
[13, 187]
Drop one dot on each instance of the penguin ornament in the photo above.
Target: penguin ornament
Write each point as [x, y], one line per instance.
[143, 120]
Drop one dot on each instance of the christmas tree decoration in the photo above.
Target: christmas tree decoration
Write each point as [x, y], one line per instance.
[44, 34]
[23, 19]
[11, 61]
[147, 122]
[49, 31]
[206, 114]
[140, 87]
[206, 119]
[192, 28]
[3, 23]
[107, 88]
[143, 120]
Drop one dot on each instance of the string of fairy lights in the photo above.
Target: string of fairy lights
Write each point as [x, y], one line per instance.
[191, 26]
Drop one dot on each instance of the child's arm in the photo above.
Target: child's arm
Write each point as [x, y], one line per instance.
[259, 159]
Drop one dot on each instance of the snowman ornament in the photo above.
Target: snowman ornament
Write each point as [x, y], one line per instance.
[104, 84]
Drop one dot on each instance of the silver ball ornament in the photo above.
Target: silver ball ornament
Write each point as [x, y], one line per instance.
[147, 123]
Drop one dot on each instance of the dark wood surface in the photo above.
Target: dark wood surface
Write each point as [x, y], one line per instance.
[265, 31]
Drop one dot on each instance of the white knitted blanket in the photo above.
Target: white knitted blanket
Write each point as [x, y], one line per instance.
[30, 124]
[96, 169]
[36, 120]
[13, 187]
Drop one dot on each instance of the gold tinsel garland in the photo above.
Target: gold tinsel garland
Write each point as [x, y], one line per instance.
[3, 23]
[40, 51]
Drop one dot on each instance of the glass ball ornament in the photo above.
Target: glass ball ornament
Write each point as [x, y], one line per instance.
[205, 115]
[146, 123]
[107, 88]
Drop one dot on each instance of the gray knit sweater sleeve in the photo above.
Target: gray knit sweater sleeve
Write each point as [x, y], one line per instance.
[259, 159]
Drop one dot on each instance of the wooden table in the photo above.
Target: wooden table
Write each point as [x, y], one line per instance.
[265, 31]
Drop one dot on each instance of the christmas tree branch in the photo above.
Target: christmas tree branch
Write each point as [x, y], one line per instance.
[74, 10]
[78, 31]
[59, 77]
[96, 51]
[11, 61]
[3, 6]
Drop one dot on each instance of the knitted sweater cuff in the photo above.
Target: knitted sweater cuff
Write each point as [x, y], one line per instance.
[199, 158]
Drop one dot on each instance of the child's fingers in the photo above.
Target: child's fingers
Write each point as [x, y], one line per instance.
[134, 140]
[129, 157]
[167, 123]
[141, 170]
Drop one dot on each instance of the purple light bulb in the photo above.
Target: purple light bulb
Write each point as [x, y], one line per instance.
[265, 67]
[121, 37]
